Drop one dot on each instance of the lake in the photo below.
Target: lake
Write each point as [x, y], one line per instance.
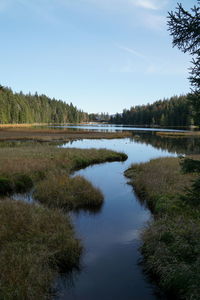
[112, 128]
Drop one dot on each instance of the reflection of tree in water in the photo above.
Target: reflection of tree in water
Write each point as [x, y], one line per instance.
[172, 144]
[66, 281]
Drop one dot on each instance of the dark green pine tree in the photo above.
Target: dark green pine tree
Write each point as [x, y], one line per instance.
[184, 27]
[20, 108]
[175, 111]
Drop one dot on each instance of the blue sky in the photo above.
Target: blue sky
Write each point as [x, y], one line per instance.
[101, 55]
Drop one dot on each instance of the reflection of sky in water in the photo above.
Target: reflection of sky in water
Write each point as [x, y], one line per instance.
[111, 238]
[136, 152]
[111, 128]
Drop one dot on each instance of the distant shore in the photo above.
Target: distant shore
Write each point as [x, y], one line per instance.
[55, 135]
[179, 134]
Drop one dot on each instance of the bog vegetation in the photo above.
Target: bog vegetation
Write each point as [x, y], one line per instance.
[37, 240]
[47, 169]
[36, 243]
[20, 133]
[171, 243]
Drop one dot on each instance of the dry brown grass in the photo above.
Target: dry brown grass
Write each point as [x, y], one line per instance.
[49, 166]
[59, 190]
[159, 177]
[41, 158]
[20, 125]
[35, 243]
[59, 135]
[171, 242]
[179, 134]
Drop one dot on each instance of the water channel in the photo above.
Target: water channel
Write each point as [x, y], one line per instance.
[110, 267]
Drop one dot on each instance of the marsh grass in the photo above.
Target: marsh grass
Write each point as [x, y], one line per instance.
[59, 190]
[174, 134]
[59, 135]
[171, 243]
[42, 158]
[68, 193]
[47, 168]
[159, 178]
[35, 244]
[171, 252]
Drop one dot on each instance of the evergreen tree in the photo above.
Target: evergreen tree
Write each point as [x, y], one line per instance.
[184, 27]
[175, 111]
[21, 108]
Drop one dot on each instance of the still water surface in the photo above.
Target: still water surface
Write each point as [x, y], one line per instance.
[110, 266]
[112, 128]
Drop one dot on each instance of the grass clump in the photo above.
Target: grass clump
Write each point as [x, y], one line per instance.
[68, 193]
[171, 242]
[35, 243]
[171, 252]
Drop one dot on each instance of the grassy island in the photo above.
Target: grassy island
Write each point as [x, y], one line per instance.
[171, 242]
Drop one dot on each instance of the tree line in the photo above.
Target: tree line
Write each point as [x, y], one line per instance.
[175, 111]
[18, 108]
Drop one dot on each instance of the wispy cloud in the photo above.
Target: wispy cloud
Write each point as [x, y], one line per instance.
[147, 65]
[144, 11]
[134, 52]
[128, 64]
[150, 4]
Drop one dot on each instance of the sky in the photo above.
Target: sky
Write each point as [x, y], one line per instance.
[101, 55]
